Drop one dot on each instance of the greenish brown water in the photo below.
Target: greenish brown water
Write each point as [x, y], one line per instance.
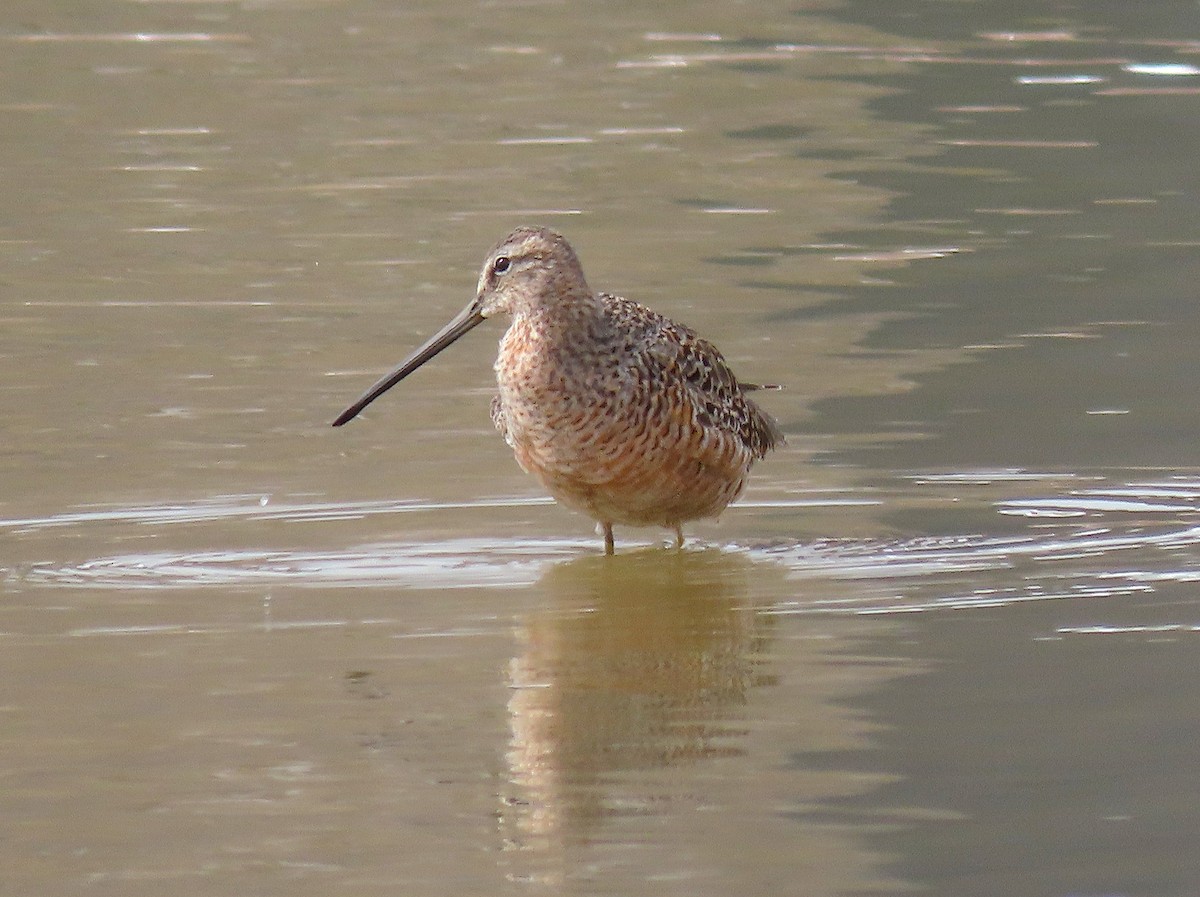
[945, 643]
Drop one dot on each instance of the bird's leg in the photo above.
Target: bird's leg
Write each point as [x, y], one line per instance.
[678, 536]
[608, 538]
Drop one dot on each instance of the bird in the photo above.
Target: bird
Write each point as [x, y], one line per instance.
[618, 411]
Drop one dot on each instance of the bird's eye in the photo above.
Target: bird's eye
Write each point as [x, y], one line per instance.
[502, 264]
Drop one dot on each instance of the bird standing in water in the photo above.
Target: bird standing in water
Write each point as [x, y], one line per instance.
[620, 412]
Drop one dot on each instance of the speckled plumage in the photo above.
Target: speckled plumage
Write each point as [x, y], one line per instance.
[620, 412]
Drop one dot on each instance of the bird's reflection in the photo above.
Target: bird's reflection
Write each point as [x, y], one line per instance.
[641, 661]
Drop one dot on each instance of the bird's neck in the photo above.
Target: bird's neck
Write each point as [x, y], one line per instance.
[571, 318]
[548, 346]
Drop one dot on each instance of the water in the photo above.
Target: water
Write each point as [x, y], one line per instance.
[943, 644]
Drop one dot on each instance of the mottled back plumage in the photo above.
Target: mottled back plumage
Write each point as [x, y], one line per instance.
[617, 410]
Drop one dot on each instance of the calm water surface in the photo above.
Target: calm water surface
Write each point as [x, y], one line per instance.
[944, 645]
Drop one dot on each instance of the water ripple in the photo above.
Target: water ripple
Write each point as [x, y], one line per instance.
[1105, 539]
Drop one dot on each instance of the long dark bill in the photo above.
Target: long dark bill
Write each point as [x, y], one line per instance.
[462, 322]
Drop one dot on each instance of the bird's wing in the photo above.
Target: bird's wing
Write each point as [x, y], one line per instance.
[715, 393]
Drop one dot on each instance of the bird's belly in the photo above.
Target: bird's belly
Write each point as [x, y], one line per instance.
[629, 468]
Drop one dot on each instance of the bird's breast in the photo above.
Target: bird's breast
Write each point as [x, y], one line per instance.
[612, 439]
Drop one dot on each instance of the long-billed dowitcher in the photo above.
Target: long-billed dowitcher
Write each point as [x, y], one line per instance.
[620, 412]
